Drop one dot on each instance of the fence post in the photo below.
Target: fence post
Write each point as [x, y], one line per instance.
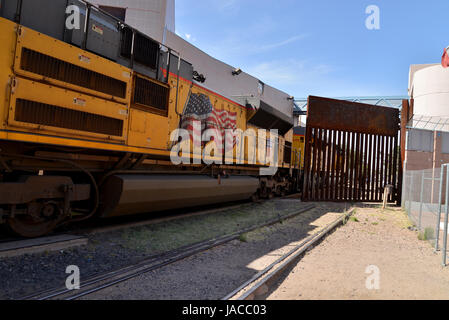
[410, 194]
[440, 200]
[446, 218]
[404, 191]
[421, 199]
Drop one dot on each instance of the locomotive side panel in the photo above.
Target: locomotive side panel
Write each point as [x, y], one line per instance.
[298, 148]
[43, 58]
[8, 36]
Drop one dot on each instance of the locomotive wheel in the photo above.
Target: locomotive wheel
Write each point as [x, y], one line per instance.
[41, 220]
[27, 227]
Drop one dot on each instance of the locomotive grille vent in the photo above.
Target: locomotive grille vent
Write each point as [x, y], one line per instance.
[126, 42]
[288, 152]
[145, 50]
[50, 67]
[54, 116]
[151, 94]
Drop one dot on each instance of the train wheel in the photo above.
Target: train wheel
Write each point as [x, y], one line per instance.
[41, 220]
[26, 227]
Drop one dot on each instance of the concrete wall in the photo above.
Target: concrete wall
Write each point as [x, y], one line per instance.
[148, 16]
[219, 76]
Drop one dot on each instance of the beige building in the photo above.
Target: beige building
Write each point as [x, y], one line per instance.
[151, 17]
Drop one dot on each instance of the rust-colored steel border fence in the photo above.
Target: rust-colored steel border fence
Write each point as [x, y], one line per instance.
[351, 152]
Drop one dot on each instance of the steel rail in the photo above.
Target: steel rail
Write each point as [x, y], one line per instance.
[284, 261]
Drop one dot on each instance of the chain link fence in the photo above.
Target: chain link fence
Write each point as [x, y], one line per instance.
[424, 198]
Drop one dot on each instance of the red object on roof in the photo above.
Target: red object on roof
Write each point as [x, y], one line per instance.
[445, 58]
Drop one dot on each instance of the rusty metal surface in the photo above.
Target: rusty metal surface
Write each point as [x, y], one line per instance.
[349, 160]
[32, 188]
[341, 115]
[132, 194]
[406, 116]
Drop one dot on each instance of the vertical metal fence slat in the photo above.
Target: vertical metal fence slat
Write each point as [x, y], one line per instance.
[312, 172]
[306, 189]
[369, 171]
[446, 218]
[410, 194]
[323, 165]
[373, 180]
[357, 168]
[317, 188]
[328, 166]
[337, 171]
[440, 199]
[421, 199]
[351, 167]
[381, 165]
[341, 165]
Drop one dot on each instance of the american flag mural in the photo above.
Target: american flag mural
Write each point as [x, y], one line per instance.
[200, 108]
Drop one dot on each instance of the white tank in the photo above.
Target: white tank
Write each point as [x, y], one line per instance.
[430, 90]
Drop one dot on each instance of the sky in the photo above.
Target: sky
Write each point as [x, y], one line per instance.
[320, 47]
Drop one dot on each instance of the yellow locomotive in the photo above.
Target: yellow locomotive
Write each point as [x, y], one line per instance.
[299, 140]
[86, 129]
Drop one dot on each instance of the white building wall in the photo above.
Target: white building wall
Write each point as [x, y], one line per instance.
[219, 76]
[170, 17]
[148, 16]
[429, 88]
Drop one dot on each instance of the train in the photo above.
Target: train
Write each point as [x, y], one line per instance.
[86, 123]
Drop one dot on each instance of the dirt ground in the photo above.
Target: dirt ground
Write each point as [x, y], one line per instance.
[338, 268]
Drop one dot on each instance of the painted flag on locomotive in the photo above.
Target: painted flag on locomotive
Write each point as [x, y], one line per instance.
[201, 109]
[445, 58]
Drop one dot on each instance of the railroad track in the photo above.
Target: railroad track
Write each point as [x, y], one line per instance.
[260, 283]
[142, 220]
[41, 244]
[101, 281]
[166, 218]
